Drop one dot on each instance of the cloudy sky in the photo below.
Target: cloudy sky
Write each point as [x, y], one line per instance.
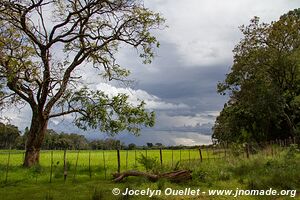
[180, 84]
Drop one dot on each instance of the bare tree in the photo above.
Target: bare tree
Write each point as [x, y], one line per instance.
[44, 42]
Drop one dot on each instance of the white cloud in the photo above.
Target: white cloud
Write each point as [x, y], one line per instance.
[135, 96]
[167, 138]
[205, 31]
[17, 116]
[198, 119]
[192, 139]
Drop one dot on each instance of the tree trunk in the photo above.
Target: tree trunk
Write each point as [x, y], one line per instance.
[35, 139]
[175, 176]
[290, 124]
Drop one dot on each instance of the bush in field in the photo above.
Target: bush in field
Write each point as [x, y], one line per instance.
[150, 164]
[291, 153]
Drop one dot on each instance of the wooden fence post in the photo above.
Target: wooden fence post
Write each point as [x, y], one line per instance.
[74, 177]
[51, 167]
[290, 140]
[7, 165]
[207, 155]
[285, 142]
[90, 172]
[134, 157]
[189, 156]
[172, 156]
[119, 161]
[160, 155]
[200, 154]
[225, 153]
[104, 165]
[126, 159]
[65, 165]
[180, 155]
[272, 150]
[247, 150]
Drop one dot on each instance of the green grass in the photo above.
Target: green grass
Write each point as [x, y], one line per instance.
[96, 162]
[98, 170]
[261, 171]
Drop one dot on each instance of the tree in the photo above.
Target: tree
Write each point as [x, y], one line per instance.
[158, 144]
[131, 146]
[96, 144]
[8, 135]
[149, 145]
[79, 141]
[264, 83]
[41, 53]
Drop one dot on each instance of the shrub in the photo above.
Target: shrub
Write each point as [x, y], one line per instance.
[291, 153]
[150, 164]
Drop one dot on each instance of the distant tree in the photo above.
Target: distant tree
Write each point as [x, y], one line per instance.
[79, 141]
[131, 146]
[149, 144]
[8, 136]
[107, 144]
[264, 83]
[21, 141]
[158, 144]
[50, 140]
[54, 140]
[41, 53]
[113, 144]
[97, 144]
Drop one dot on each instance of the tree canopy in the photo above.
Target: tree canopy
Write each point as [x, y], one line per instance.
[43, 44]
[263, 84]
[8, 135]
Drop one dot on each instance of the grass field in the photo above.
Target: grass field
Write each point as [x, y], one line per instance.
[262, 171]
[98, 163]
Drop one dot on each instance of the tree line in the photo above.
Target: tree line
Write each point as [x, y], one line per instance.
[263, 84]
[11, 137]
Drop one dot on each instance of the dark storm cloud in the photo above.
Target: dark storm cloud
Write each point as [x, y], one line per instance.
[170, 79]
[167, 138]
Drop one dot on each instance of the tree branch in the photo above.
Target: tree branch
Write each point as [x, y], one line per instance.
[81, 111]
